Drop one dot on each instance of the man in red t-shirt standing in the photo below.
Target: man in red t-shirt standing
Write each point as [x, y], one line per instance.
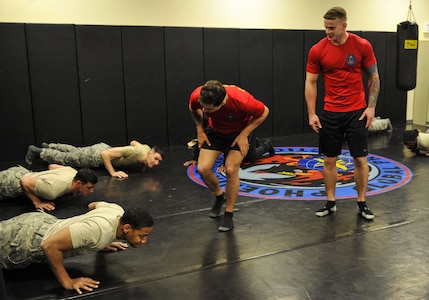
[233, 115]
[341, 57]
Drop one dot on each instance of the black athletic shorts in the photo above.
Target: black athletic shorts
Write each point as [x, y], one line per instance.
[221, 142]
[339, 127]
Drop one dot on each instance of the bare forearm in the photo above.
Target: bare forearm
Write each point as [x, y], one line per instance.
[196, 117]
[311, 96]
[311, 106]
[374, 90]
[55, 259]
[28, 185]
[373, 85]
[34, 199]
[107, 163]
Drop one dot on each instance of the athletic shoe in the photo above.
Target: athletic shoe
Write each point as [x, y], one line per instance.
[269, 146]
[32, 152]
[227, 224]
[389, 125]
[30, 155]
[217, 206]
[257, 142]
[366, 213]
[324, 211]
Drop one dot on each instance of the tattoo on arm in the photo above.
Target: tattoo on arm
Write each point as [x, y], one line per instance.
[373, 85]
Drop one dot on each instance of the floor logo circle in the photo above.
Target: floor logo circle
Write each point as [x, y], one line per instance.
[295, 173]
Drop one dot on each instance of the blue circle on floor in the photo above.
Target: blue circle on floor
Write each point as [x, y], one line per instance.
[295, 173]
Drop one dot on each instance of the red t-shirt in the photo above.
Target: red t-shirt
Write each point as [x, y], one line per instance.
[234, 116]
[341, 67]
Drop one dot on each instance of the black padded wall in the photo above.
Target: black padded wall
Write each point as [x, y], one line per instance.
[222, 55]
[16, 117]
[101, 79]
[256, 70]
[144, 76]
[184, 72]
[86, 84]
[54, 83]
[288, 107]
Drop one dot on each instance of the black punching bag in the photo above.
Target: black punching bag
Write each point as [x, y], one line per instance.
[406, 61]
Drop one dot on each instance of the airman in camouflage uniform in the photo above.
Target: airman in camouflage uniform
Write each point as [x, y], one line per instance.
[37, 237]
[45, 186]
[97, 155]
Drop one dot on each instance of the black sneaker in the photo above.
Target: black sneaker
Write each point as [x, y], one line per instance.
[269, 147]
[324, 211]
[366, 213]
[257, 142]
[217, 206]
[227, 224]
[30, 155]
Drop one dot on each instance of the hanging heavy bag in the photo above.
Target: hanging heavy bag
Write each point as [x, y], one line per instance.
[406, 60]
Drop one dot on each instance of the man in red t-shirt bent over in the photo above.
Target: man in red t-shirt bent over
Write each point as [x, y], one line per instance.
[233, 114]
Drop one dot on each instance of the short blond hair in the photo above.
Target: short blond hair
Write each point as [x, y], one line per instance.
[336, 13]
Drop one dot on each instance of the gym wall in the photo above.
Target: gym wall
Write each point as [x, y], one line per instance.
[82, 84]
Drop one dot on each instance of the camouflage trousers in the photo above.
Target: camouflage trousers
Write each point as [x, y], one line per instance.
[9, 182]
[20, 239]
[76, 157]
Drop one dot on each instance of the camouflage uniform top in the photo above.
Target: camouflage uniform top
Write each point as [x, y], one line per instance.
[21, 236]
[53, 183]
